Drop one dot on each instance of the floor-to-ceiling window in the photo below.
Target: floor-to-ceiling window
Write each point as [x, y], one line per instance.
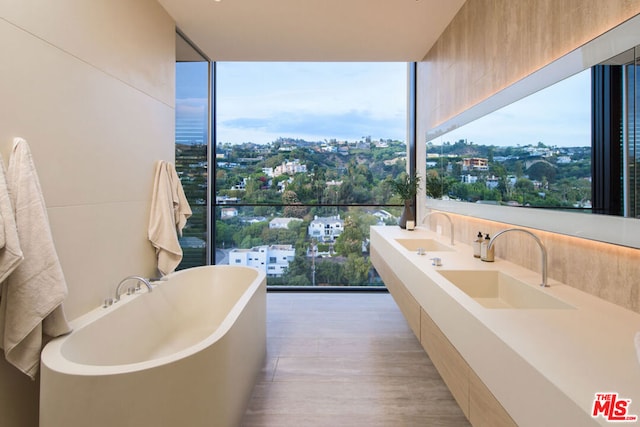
[616, 120]
[302, 154]
[294, 167]
[632, 143]
[191, 142]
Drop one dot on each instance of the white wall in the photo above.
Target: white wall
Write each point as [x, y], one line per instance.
[90, 86]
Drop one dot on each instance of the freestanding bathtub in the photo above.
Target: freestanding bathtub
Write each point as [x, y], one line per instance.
[186, 354]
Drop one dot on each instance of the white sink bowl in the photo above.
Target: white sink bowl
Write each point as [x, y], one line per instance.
[494, 289]
[429, 245]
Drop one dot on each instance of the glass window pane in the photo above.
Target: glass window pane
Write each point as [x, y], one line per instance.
[535, 152]
[302, 154]
[192, 95]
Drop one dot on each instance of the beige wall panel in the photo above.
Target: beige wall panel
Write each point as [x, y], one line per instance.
[140, 53]
[90, 86]
[95, 258]
[93, 138]
[492, 44]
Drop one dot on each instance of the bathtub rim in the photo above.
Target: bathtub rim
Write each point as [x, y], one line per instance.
[52, 358]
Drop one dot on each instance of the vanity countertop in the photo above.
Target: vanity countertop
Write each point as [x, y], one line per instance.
[545, 366]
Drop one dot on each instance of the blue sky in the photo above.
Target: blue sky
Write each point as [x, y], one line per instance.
[262, 101]
[314, 101]
[558, 115]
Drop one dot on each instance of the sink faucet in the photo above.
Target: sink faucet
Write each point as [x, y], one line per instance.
[543, 250]
[137, 278]
[446, 216]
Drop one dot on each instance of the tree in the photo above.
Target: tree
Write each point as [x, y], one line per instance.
[435, 184]
[329, 272]
[540, 170]
[298, 269]
[356, 270]
[350, 240]
[298, 280]
[290, 199]
[224, 233]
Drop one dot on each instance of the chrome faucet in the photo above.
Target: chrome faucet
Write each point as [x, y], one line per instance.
[543, 250]
[446, 216]
[126, 279]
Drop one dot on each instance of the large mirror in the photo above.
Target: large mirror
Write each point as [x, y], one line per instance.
[545, 161]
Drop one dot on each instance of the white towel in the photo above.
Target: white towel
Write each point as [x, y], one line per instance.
[34, 292]
[10, 252]
[182, 210]
[169, 213]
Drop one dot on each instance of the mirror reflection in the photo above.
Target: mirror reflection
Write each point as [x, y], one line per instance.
[570, 147]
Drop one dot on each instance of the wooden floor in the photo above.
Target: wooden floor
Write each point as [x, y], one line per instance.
[346, 359]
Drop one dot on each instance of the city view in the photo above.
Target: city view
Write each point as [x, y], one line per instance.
[301, 210]
[298, 201]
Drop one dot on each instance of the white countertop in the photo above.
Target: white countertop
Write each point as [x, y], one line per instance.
[544, 365]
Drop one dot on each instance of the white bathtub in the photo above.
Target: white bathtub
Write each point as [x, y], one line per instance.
[186, 354]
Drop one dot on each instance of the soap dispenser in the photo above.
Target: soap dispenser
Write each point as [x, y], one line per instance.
[486, 254]
[476, 245]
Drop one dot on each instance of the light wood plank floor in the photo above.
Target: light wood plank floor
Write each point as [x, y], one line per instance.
[346, 359]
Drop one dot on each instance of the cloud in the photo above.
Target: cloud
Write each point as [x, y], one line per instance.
[558, 115]
[349, 125]
[261, 102]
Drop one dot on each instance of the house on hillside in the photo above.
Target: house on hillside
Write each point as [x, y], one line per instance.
[326, 229]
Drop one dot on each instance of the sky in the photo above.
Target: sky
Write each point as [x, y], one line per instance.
[559, 115]
[262, 101]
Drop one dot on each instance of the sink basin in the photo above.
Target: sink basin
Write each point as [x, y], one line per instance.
[429, 245]
[494, 289]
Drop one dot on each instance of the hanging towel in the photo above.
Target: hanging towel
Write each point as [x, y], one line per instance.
[169, 213]
[181, 208]
[10, 252]
[33, 294]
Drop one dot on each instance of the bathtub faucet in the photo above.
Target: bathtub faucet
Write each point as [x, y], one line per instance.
[126, 279]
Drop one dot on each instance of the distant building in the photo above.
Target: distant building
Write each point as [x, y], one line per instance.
[273, 260]
[282, 223]
[241, 186]
[468, 179]
[326, 229]
[289, 168]
[475, 163]
[226, 200]
[253, 219]
[282, 185]
[492, 182]
[226, 213]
